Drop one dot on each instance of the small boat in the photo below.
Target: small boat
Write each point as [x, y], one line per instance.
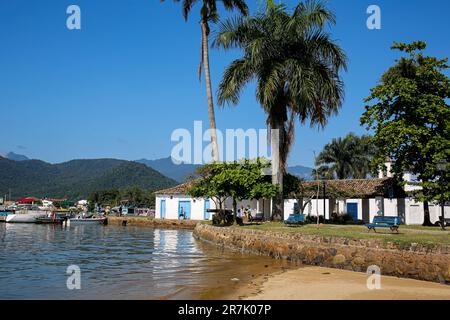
[4, 214]
[26, 216]
[50, 220]
[82, 221]
[53, 218]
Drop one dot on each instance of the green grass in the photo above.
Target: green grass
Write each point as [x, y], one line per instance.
[406, 235]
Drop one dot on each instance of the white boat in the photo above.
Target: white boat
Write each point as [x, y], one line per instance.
[26, 216]
[79, 221]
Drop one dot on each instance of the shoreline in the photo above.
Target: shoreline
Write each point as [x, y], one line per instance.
[319, 283]
[415, 262]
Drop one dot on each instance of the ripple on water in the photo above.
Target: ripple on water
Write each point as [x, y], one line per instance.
[115, 262]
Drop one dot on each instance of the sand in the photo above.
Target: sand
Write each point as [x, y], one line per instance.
[316, 283]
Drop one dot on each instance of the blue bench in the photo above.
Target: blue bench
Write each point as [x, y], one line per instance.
[295, 219]
[392, 223]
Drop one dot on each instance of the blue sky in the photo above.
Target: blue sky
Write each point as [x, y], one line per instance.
[121, 85]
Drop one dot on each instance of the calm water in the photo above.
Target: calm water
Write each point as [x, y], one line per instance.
[118, 263]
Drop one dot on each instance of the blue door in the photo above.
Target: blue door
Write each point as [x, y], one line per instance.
[352, 210]
[207, 206]
[163, 209]
[184, 210]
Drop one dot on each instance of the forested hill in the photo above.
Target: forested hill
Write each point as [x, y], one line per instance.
[76, 179]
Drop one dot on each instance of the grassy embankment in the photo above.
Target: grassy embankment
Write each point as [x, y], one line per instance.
[405, 236]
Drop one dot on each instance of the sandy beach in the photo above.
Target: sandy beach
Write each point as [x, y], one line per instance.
[316, 283]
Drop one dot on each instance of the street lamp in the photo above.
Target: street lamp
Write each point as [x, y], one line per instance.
[442, 166]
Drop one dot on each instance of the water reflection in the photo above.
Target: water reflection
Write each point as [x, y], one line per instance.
[116, 263]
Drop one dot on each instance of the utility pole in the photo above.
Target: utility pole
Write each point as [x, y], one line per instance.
[324, 201]
[318, 189]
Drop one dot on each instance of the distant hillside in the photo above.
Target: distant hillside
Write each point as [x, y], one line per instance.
[77, 178]
[181, 172]
[168, 168]
[15, 156]
[301, 172]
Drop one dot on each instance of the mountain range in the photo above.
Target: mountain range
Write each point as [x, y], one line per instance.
[76, 179]
[14, 156]
[166, 166]
[182, 171]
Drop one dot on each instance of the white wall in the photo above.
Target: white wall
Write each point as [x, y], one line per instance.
[288, 207]
[390, 207]
[415, 212]
[197, 206]
[311, 208]
[378, 206]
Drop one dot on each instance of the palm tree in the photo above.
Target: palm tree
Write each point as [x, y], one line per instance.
[296, 67]
[346, 158]
[209, 13]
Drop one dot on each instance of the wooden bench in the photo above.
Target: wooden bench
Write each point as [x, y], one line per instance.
[295, 219]
[392, 223]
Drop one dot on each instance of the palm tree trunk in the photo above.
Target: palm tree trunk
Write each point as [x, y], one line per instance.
[277, 169]
[211, 115]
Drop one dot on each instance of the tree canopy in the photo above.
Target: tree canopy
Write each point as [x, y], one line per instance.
[237, 180]
[346, 158]
[409, 113]
[296, 65]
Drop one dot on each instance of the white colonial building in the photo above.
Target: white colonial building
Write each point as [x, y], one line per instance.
[363, 199]
[174, 203]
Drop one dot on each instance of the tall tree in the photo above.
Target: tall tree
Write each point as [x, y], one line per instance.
[296, 66]
[236, 180]
[346, 158]
[409, 113]
[208, 14]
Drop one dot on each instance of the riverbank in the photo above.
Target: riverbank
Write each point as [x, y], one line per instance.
[429, 262]
[150, 222]
[317, 283]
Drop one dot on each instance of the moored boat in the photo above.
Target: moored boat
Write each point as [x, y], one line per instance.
[4, 214]
[26, 216]
[50, 220]
[80, 221]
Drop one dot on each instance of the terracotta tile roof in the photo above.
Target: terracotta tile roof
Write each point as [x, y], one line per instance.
[351, 188]
[354, 188]
[179, 189]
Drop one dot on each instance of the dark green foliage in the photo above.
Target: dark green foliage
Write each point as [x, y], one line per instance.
[341, 219]
[310, 219]
[236, 180]
[409, 113]
[76, 179]
[296, 66]
[346, 158]
[134, 197]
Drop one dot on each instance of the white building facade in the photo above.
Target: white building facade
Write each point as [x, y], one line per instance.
[363, 199]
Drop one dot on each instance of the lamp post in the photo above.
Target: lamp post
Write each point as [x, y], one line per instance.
[441, 166]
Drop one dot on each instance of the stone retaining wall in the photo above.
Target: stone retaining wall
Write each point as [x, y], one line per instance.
[148, 222]
[430, 263]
